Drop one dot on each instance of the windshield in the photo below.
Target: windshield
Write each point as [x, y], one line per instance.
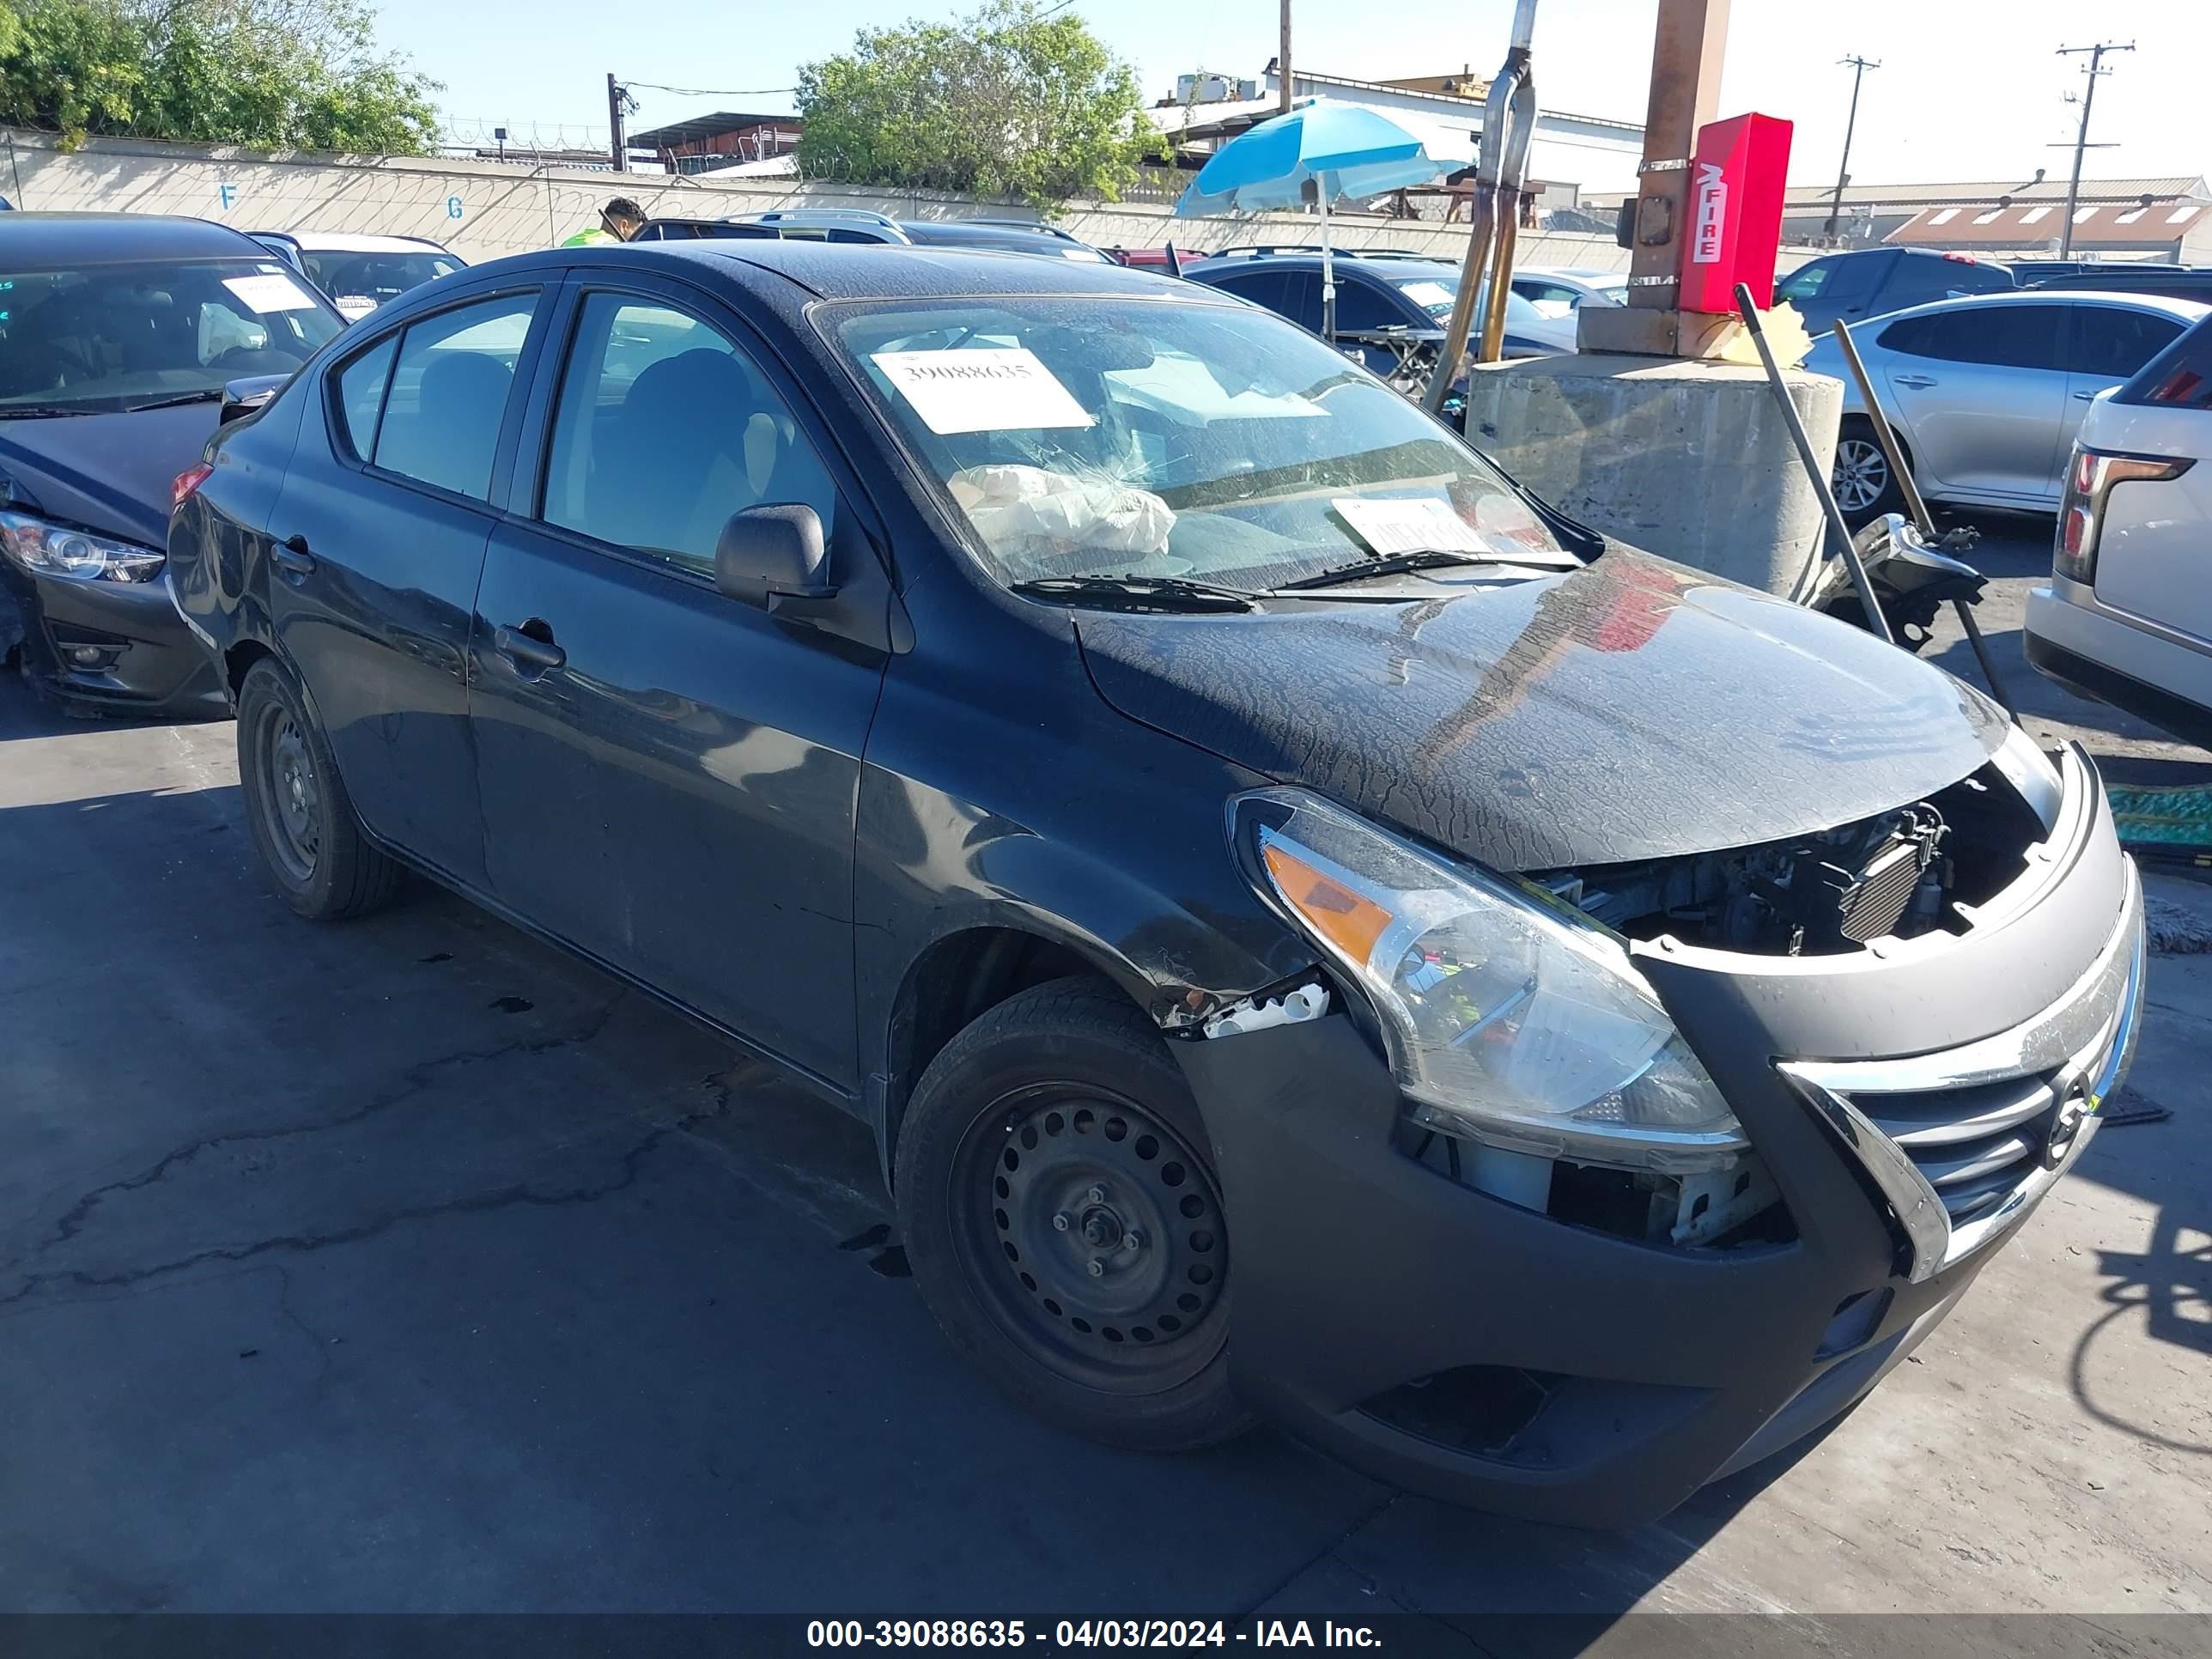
[108, 338]
[1091, 437]
[1434, 294]
[361, 281]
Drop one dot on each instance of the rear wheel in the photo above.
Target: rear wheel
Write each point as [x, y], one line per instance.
[296, 806]
[1865, 483]
[1063, 1219]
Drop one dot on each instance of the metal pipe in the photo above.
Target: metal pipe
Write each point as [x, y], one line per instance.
[1923, 519]
[1480, 209]
[1884, 435]
[1490, 345]
[1877, 623]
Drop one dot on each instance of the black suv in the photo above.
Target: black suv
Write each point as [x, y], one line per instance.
[1876, 281]
[1311, 932]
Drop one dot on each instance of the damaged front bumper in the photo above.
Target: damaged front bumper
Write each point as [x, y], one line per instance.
[1487, 1352]
[119, 647]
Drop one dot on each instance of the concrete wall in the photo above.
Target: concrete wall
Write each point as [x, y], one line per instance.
[485, 208]
[1688, 460]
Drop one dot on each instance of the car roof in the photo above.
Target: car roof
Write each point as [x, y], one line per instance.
[342, 241]
[892, 271]
[1395, 264]
[89, 238]
[2184, 311]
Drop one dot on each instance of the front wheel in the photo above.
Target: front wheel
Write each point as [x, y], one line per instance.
[1062, 1217]
[1865, 483]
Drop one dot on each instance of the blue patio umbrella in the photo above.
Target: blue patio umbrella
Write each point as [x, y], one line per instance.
[1339, 151]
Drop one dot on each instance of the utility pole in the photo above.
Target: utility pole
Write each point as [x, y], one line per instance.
[1859, 67]
[1283, 64]
[2081, 137]
[617, 99]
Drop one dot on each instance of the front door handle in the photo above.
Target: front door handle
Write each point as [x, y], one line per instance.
[1916, 381]
[526, 651]
[291, 556]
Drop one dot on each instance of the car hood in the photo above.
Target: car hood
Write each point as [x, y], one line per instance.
[1631, 709]
[109, 473]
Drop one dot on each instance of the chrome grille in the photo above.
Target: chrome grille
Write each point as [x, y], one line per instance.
[1961, 1142]
[1972, 1145]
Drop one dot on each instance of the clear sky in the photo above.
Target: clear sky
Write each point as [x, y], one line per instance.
[1968, 89]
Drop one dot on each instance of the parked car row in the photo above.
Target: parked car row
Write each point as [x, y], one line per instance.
[1986, 394]
[1168, 788]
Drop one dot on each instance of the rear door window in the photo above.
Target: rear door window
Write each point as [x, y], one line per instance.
[2008, 336]
[1270, 288]
[2179, 377]
[362, 386]
[2112, 342]
[450, 387]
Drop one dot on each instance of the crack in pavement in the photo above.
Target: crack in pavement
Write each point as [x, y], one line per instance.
[413, 1080]
[509, 1197]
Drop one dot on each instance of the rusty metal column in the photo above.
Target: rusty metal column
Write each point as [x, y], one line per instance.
[1686, 50]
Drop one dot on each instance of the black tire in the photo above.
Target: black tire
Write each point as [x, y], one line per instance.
[302, 821]
[1866, 485]
[1063, 1101]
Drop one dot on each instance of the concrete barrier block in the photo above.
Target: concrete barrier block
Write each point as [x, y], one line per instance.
[1690, 460]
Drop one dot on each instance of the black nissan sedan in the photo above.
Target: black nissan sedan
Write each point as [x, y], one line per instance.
[1313, 932]
[118, 334]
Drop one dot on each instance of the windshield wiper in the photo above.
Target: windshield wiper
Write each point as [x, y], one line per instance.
[1138, 593]
[44, 411]
[177, 402]
[1389, 564]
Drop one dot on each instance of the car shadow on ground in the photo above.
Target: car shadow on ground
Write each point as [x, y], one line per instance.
[473, 1279]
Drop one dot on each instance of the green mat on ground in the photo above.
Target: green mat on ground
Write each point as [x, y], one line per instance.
[2176, 818]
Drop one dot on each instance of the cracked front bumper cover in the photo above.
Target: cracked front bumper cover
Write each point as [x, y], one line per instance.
[1360, 1272]
[147, 661]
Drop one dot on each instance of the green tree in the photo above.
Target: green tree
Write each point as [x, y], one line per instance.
[270, 74]
[1009, 101]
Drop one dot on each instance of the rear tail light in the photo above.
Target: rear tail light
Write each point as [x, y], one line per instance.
[2089, 478]
[187, 484]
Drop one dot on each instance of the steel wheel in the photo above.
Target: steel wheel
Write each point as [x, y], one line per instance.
[291, 801]
[1862, 474]
[1094, 1237]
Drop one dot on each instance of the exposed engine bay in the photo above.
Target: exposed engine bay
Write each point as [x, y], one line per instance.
[1897, 874]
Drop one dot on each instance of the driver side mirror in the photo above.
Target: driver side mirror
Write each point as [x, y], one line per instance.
[772, 553]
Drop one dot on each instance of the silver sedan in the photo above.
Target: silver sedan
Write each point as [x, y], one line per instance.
[1986, 392]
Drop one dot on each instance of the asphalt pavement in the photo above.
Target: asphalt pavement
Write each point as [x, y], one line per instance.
[409, 1266]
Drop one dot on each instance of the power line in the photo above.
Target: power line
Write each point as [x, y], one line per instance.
[709, 92]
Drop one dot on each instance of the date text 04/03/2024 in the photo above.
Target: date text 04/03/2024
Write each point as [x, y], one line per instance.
[1086, 1634]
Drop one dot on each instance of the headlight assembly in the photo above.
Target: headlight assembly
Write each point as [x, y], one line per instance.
[1518, 1025]
[57, 550]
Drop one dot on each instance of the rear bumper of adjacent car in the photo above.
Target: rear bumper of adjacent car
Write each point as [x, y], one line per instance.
[1466, 1347]
[117, 645]
[2107, 655]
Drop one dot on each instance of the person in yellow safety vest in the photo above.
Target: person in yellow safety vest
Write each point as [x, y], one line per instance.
[619, 220]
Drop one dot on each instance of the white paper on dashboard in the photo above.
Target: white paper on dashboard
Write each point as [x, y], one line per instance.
[980, 390]
[1425, 524]
[271, 292]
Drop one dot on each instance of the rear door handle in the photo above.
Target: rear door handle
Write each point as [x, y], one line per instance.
[533, 655]
[1916, 381]
[2085, 396]
[291, 556]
